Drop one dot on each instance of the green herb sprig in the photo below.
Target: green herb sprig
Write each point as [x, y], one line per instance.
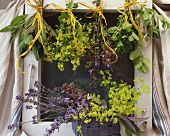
[125, 37]
[15, 25]
[64, 48]
[23, 24]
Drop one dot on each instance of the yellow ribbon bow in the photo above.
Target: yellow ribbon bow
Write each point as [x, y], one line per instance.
[37, 18]
[73, 22]
[128, 5]
[99, 11]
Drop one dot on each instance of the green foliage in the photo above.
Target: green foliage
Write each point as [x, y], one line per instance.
[140, 61]
[149, 16]
[71, 5]
[130, 127]
[120, 104]
[28, 33]
[64, 48]
[15, 26]
[125, 37]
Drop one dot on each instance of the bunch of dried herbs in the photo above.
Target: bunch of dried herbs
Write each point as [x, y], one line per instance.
[71, 42]
[27, 28]
[127, 38]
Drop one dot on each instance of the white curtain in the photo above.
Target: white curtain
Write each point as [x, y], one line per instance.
[161, 76]
[10, 77]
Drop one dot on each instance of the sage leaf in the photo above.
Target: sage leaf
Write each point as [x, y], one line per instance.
[134, 54]
[146, 62]
[22, 35]
[130, 38]
[146, 15]
[127, 128]
[8, 28]
[35, 51]
[112, 29]
[29, 30]
[44, 37]
[139, 65]
[138, 133]
[130, 124]
[41, 52]
[28, 39]
[144, 68]
[135, 36]
[29, 22]
[12, 37]
[22, 46]
[18, 20]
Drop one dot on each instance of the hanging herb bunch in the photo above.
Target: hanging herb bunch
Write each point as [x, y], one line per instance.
[72, 39]
[127, 35]
[29, 32]
[35, 33]
[101, 53]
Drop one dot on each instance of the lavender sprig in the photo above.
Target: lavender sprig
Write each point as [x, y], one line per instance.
[68, 98]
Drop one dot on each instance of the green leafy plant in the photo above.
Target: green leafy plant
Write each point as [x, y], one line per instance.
[126, 37]
[120, 104]
[29, 32]
[69, 46]
[27, 27]
[151, 27]
[140, 61]
[15, 25]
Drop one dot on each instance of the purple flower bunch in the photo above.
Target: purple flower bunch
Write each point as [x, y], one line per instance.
[99, 54]
[69, 98]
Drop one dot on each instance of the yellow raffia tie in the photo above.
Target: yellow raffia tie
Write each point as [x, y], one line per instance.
[99, 11]
[37, 18]
[128, 5]
[73, 22]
